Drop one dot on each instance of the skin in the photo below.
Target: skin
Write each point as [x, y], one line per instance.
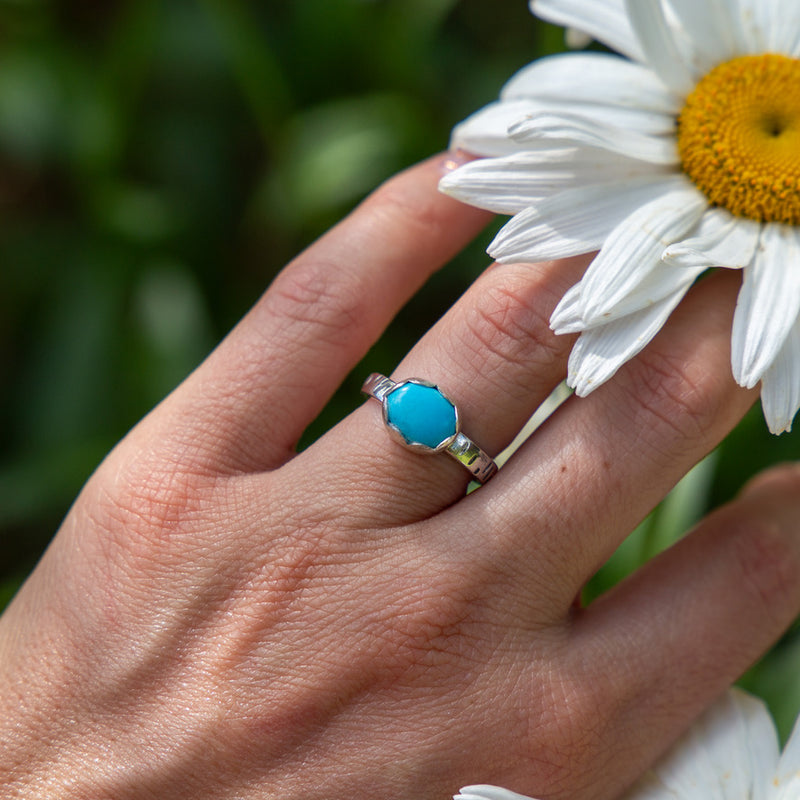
[219, 618]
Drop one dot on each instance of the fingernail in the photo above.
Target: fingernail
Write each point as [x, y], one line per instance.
[455, 159]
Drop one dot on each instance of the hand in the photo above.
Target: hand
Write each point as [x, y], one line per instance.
[219, 618]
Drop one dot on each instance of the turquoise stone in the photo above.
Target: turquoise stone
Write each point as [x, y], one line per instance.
[421, 414]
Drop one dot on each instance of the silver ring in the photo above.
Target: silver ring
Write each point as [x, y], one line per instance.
[421, 417]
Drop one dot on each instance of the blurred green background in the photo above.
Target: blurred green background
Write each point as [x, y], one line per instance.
[160, 160]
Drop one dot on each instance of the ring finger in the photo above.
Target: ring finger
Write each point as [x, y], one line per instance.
[495, 355]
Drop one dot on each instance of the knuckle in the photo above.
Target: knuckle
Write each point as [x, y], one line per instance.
[140, 515]
[319, 293]
[676, 396]
[570, 739]
[780, 481]
[768, 564]
[423, 213]
[508, 322]
[427, 631]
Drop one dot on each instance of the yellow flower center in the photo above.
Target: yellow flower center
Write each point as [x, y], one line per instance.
[739, 137]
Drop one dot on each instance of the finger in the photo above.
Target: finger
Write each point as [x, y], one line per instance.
[254, 396]
[668, 641]
[595, 470]
[494, 355]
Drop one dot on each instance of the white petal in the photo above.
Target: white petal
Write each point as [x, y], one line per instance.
[658, 43]
[601, 351]
[768, 304]
[488, 793]
[708, 27]
[787, 774]
[790, 42]
[783, 26]
[574, 221]
[772, 26]
[588, 129]
[604, 20]
[628, 118]
[787, 37]
[568, 314]
[750, 25]
[720, 240]
[509, 185]
[763, 748]
[727, 755]
[592, 78]
[649, 787]
[654, 285]
[485, 132]
[780, 401]
[629, 264]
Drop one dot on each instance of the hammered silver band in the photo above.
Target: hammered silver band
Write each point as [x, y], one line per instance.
[430, 401]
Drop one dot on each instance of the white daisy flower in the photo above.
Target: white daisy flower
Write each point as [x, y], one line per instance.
[731, 753]
[682, 155]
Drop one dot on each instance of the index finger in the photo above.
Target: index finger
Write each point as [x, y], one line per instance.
[255, 395]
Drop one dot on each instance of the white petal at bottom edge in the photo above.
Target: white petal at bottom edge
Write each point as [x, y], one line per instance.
[485, 792]
[787, 776]
[730, 753]
[739, 745]
[601, 351]
[768, 304]
[780, 401]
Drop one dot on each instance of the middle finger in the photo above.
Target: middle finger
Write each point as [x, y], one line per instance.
[595, 469]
